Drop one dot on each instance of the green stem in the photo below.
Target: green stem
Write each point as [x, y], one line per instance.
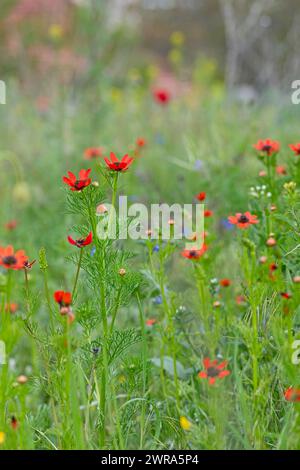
[144, 362]
[115, 311]
[77, 272]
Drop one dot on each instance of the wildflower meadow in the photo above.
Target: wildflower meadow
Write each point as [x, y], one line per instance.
[182, 338]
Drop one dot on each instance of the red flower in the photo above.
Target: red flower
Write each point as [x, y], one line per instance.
[11, 308]
[78, 184]
[64, 299]
[208, 213]
[286, 295]
[201, 196]
[280, 170]
[11, 225]
[118, 165]
[240, 299]
[140, 142]
[81, 242]
[14, 423]
[12, 260]
[273, 267]
[93, 152]
[225, 282]
[29, 264]
[194, 253]
[267, 146]
[213, 370]
[150, 322]
[292, 394]
[295, 148]
[243, 220]
[161, 96]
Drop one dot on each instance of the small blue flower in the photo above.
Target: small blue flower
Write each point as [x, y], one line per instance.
[198, 165]
[93, 251]
[157, 300]
[226, 224]
[155, 249]
[159, 139]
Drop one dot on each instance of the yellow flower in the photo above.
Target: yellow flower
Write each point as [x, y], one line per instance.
[116, 94]
[175, 56]
[56, 31]
[185, 423]
[2, 437]
[177, 38]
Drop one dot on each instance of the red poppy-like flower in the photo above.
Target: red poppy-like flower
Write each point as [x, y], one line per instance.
[292, 394]
[208, 213]
[78, 184]
[12, 260]
[29, 264]
[11, 308]
[213, 370]
[201, 196]
[14, 423]
[93, 152]
[240, 299]
[140, 142]
[11, 225]
[161, 96]
[150, 322]
[286, 295]
[118, 165]
[225, 282]
[243, 220]
[267, 146]
[295, 148]
[81, 242]
[64, 299]
[194, 254]
[281, 170]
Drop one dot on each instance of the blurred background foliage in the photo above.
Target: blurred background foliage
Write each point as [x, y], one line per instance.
[249, 45]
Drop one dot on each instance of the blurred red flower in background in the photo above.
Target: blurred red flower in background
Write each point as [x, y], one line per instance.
[201, 196]
[11, 225]
[295, 148]
[225, 282]
[213, 370]
[267, 146]
[161, 95]
[292, 394]
[194, 254]
[93, 152]
[243, 220]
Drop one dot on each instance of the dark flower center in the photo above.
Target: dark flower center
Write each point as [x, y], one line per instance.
[212, 372]
[193, 254]
[9, 260]
[243, 219]
[267, 148]
[80, 241]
